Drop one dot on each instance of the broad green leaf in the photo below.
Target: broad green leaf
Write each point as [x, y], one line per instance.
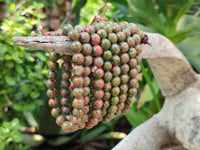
[173, 10]
[188, 26]
[39, 102]
[20, 70]
[12, 6]
[17, 137]
[26, 89]
[186, 20]
[15, 122]
[41, 16]
[35, 94]
[191, 49]
[147, 95]
[17, 107]
[42, 56]
[2, 145]
[144, 12]
[122, 8]
[29, 107]
[135, 117]
[10, 80]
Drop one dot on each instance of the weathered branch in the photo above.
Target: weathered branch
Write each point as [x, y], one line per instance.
[58, 44]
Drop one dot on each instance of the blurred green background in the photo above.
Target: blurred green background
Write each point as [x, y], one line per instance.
[25, 121]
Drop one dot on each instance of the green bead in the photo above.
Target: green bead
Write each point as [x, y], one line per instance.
[112, 109]
[102, 33]
[107, 76]
[105, 44]
[137, 38]
[55, 112]
[76, 46]
[115, 91]
[107, 86]
[131, 100]
[110, 115]
[107, 55]
[107, 66]
[54, 56]
[123, 88]
[74, 34]
[107, 96]
[108, 28]
[132, 52]
[115, 81]
[133, 73]
[121, 36]
[106, 104]
[112, 37]
[115, 49]
[132, 92]
[132, 63]
[66, 29]
[116, 71]
[114, 100]
[115, 60]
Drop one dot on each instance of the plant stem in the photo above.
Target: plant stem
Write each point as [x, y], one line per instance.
[148, 80]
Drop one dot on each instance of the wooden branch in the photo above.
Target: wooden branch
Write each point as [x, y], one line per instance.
[57, 44]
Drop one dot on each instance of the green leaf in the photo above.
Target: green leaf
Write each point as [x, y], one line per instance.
[12, 6]
[30, 118]
[41, 16]
[148, 80]
[135, 117]
[78, 7]
[173, 10]
[2, 145]
[26, 89]
[92, 134]
[15, 122]
[17, 137]
[20, 70]
[188, 26]
[17, 107]
[35, 94]
[111, 135]
[144, 12]
[10, 80]
[29, 107]
[39, 102]
[62, 139]
[191, 49]
[147, 95]
[41, 56]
